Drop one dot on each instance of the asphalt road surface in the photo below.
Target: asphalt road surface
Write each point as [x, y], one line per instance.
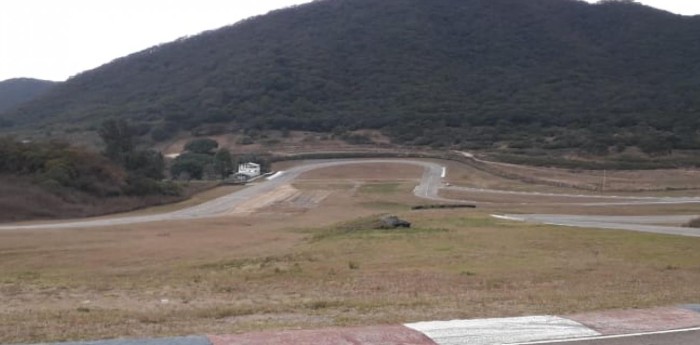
[601, 200]
[632, 223]
[428, 188]
[666, 338]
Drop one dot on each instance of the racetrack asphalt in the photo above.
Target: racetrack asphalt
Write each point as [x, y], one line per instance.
[601, 200]
[630, 223]
[677, 337]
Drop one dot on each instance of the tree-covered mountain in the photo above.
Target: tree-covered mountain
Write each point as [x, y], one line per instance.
[14, 92]
[454, 73]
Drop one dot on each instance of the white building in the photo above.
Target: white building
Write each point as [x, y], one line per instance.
[249, 169]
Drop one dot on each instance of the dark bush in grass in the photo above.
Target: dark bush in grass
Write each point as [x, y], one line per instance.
[695, 223]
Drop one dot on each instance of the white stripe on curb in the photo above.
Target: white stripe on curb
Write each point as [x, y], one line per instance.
[498, 216]
[502, 331]
[275, 175]
[604, 337]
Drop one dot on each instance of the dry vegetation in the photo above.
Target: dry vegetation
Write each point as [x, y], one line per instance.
[611, 180]
[281, 143]
[288, 266]
[21, 199]
[695, 223]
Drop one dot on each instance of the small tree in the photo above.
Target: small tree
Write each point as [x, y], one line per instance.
[191, 165]
[146, 163]
[118, 138]
[223, 163]
[202, 146]
[144, 167]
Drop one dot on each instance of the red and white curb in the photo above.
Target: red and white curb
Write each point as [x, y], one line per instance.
[499, 331]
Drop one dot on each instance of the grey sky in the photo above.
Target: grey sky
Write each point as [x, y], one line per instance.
[50, 39]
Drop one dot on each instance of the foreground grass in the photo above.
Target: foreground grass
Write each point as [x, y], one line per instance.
[452, 264]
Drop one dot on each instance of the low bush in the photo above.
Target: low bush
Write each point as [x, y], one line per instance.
[695, 223]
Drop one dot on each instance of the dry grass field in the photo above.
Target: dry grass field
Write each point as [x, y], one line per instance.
[309, 259]
[665, 182]
[613, 180]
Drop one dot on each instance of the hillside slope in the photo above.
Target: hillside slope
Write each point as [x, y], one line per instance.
[14, 92]
[459, 73]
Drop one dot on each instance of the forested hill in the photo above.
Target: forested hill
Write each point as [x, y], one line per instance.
[17, 91]
[460, 73]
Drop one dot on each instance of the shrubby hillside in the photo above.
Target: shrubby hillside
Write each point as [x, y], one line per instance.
[57, 180]
[444, 73]
[14, 92]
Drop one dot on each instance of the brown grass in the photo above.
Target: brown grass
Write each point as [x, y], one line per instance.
[680, 182]
[322, 267]
[611, 180]
[22, 200]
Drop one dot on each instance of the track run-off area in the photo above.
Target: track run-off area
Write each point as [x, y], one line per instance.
[429, 187]
[428, 180]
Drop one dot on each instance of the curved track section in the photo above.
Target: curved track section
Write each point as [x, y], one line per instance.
[428, 188]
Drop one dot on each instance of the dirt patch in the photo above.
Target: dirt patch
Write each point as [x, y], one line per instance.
[278, 195]
[285, 199]
[370, 171]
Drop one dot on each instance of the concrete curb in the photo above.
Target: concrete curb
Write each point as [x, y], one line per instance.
[191, 340]
[473, 332]
[639, 321]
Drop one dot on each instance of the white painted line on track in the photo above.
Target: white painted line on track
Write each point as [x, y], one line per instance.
[444, 172]
[605, 337]
[275, 175]
[502, 331]
[517, 219]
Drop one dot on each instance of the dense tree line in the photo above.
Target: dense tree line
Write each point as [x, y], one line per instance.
[121, 169]
[444, 73]
[57, 165]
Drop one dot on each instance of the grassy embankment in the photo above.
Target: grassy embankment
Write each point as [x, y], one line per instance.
[325, 267]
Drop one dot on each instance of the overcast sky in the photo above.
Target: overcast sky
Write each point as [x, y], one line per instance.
[55, 39]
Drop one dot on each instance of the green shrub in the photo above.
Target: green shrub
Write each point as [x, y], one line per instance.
[202, 146]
